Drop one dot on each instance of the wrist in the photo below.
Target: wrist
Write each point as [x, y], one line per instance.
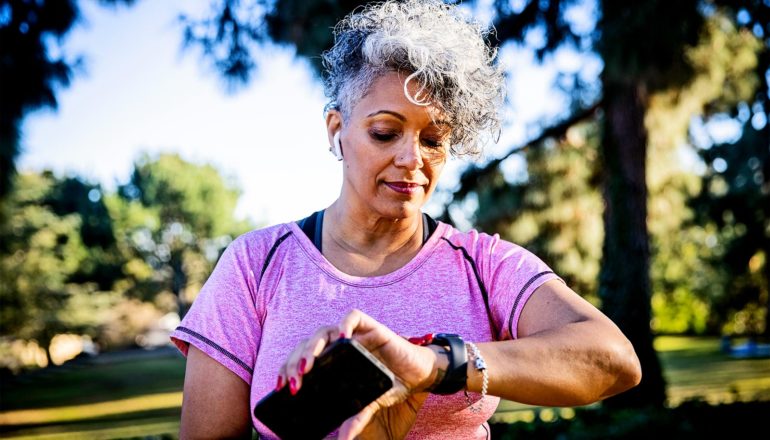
[440, 364]
[477, 365]
[456, 371]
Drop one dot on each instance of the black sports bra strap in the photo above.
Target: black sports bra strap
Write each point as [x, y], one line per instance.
[318, 236]
[428, 227]
[312, 226]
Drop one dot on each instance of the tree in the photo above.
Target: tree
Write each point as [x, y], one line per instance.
[736, 198]
[638, 72]
[40, 251]
[73, 258]
[29, 31]
[185, 216]
[735, 194]
[555, 210]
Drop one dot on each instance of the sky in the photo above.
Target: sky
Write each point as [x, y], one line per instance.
[139, 92]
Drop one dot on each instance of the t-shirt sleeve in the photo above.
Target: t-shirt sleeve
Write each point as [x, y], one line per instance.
[223, 321]
[512, 274]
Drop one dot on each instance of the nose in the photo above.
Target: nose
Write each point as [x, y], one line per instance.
[409, 155]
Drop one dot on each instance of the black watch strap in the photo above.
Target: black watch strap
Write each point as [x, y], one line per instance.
[456, 376]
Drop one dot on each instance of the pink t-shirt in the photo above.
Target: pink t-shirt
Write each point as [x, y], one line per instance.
[272, 288]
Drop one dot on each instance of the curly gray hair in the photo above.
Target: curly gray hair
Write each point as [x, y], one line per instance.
[445, 52]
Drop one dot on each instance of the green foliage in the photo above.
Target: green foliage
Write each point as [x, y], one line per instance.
[194, 195]
[29, 33]
[176, 218]
[74, 258]
[687, 292]
[736, 201]
[39, 252]
[230, 34]
[556, 212]
[30, 68]
[734, 196]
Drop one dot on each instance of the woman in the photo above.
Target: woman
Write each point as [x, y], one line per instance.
[409, 84]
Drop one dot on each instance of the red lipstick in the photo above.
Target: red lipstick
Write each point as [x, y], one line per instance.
[403, 187]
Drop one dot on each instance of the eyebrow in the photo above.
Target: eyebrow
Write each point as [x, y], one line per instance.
[400, 117]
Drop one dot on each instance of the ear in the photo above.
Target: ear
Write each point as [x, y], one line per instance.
[334, 131]
[333, 124]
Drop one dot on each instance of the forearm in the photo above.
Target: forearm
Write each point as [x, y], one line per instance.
[576, 364]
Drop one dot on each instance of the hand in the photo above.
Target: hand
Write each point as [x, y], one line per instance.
[393, 414]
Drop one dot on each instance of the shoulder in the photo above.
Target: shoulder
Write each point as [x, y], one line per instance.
[263, 237]
[478, 243]
[492, 253]
[255, 244]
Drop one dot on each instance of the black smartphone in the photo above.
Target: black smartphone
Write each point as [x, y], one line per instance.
[344, 379]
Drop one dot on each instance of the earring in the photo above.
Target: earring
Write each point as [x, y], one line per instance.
[336, 148]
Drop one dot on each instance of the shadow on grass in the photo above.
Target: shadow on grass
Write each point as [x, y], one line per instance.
[95, 380]
[85, 424]
[690, 420]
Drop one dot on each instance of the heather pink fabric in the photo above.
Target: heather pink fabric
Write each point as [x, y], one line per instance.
[250, 315]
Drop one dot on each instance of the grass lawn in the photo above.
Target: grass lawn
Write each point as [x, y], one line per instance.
[127, 396]
[140, 395]
[694, 368]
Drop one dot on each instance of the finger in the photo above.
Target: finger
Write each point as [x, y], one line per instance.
[301, 359]
[320, 340]
[356, 424]
[288, 372]
[365, 329]
[356, 321]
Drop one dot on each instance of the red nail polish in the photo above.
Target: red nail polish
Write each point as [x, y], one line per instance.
[302, 364]
[342, 335]
[279, 384]
[293, 386]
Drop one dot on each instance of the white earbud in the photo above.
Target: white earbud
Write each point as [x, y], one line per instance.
[336, 148]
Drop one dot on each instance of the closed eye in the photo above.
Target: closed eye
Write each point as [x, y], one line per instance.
[432, 143]
[382, 137]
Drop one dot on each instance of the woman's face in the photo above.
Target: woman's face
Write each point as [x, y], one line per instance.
[393, 150]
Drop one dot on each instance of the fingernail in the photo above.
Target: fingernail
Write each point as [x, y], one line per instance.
[302, 364]
[342, 335]
[279, 384]
[293, 386]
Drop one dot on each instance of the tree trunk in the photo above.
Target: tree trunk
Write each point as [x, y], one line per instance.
[624, 284]
[766, 270]
[178, 281]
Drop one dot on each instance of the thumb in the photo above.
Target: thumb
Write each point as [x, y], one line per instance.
[356, 424]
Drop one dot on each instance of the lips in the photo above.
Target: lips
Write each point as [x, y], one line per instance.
[407, 188]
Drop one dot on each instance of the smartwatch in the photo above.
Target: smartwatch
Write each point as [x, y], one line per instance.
[456, 376]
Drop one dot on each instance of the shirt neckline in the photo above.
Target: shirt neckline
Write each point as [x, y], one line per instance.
[397, 275]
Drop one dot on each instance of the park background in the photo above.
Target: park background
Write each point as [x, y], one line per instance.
[139, 138]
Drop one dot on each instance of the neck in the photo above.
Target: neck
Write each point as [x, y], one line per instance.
[371, 235]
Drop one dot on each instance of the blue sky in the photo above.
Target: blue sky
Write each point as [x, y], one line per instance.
[139, 92]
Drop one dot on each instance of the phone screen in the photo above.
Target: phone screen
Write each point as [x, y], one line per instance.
[344, 379]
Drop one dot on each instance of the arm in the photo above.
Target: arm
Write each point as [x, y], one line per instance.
[216, 400]
[568, 353]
